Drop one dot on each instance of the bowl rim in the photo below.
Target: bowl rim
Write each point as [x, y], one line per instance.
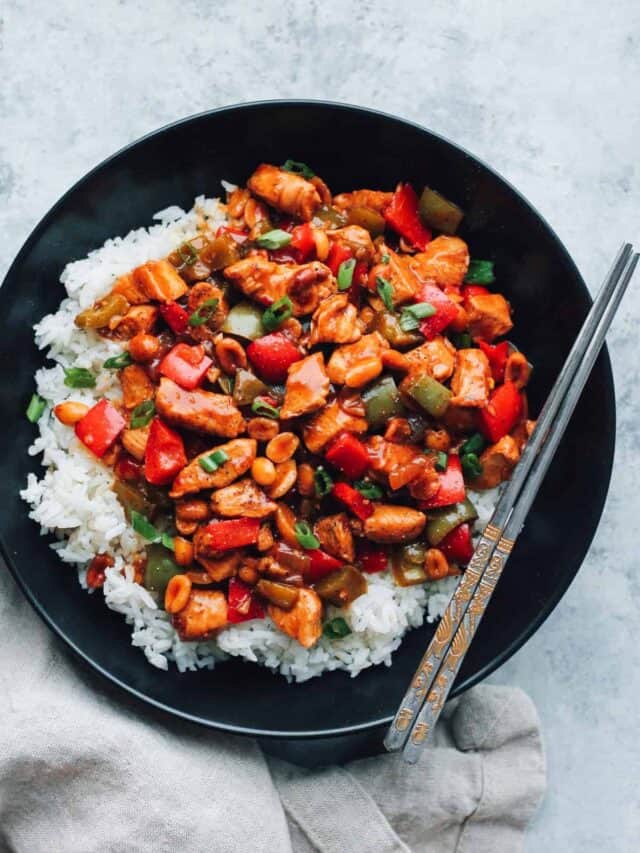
[565, 580]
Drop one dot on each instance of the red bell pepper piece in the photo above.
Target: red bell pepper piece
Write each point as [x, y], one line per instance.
[302, 242]
[451, 489]
[284, 256]
[185, 365]
[501, 413]
[349, 455]
[272, 355]
[353, 500]
[403, 216]
[321, 564]
[243, 604]
[457, 545]
[128, 468]
[338, 253]
[446, 311]
[164, 454]
[468, 290]
[175, 316]
[100, 427]
[497, 354]
[372, 558]
[238, 235]
[234, 533]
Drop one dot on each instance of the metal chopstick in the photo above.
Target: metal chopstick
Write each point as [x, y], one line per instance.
[430, 663]
[439, 689]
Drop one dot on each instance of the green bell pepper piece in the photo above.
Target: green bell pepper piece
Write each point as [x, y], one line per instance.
[382, 401]
[247, 387]
[430, 394]
[245, 321]
[438, 212]
[442, 521]
[367, 218]
[388, 325]
[160, 568]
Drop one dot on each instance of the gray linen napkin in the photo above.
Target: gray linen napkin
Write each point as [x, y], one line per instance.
[84, 771]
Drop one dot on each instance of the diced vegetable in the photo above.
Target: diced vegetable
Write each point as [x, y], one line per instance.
[35, 408]
[235, 533]
[276, 314]
[348, 454]
[382, 401]
[281, 594]
[430, 394]
[385, 292]
[321, 564]
[474, 444]
[305, 536]
[342, 586]
[408, 564]
[160, 569]
[322, 482]
[245, 321]
[143, 526]
[438, 212]
[142, 414]
[497, 355]
[303, 242]
[275, 239]
[471, 466]
[402, 215]
[185, 365]
[338, 254]
[272, 355]
[100, 427]
[175, 316]
[457, 545]
[388, 325]
[164, 455]
[412, 314]
[502, 412]
[297, 168]
[117, 362]
[204, 312]
[469, 290]
[212, 462]
[372, 558]
[353, 500]
[446, 311]
[480, 272]
[336, 629]
[133, 499]
[98, 316]
[264, 409]
[345, 274]
[443, 521]
[367, 218]
[369, 490]
[247, 387]
[452, 489]
[242, 603]
[79, 377]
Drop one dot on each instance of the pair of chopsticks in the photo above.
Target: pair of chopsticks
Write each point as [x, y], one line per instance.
[420, 708]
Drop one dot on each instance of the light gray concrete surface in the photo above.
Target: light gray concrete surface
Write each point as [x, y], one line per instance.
[546, 92]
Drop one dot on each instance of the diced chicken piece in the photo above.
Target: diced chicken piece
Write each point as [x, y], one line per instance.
[344, 359]
[356, 238]
[260, 279]
[304, 621]
[140, 318]
[489, 316]
[202, 292]
[285, 191]
[436, 358]
[498, 461]
[310, 285]
[427, 484]
[205, 613]
[136, 386]
[134, 441]
[471, 380]
[307, 387]
[243, 498]
[391, 523]
[397, 272]
[336, 538]
[201, 411]
[334, 321]
[326, 425]
[240, 454]
[160, 281]
[445, 261]
[374, 199]
[522, 433]
[126, 286]
[399, 463]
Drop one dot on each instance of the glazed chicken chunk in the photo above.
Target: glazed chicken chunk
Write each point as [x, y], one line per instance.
[285, 191]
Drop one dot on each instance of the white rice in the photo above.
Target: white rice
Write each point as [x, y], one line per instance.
[74, 499]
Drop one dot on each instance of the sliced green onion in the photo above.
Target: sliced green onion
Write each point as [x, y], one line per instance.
[276, 314]
[263, 409]
[442, 461]
[322, 482]
[369, 490]
[385, 259]
[480, 272]
[116, 362]
[412, 314]
[226, 383]
[462, 341]
[385, 292]
[345, 274]
[336, 629]
[297, 168]
[474, 444]
[471, 466]
[142, 414]
[203, 312]
[188, 255]
[79, 377]
[35, 408]
[275, 239]
[143, 526]
[212, 462]
[305, 536]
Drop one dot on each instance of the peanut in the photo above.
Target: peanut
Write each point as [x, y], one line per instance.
[70, 413]
[177, 593]
[263, 471]
[186, 528]
[144, 347]
[193, 509]
[230, 355]
[322, 243]
[135, 441]
[265, 538]
[517, 370]
[305, 482]
[286, 524]
[262, 429]
[282, 447]
[183, 551]
[435, 564]
[248, 574]
[437, 439]
[286, 475]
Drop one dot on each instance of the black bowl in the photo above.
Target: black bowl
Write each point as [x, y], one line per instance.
[349, 147]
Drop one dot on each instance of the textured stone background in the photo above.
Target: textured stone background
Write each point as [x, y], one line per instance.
[547, 93]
